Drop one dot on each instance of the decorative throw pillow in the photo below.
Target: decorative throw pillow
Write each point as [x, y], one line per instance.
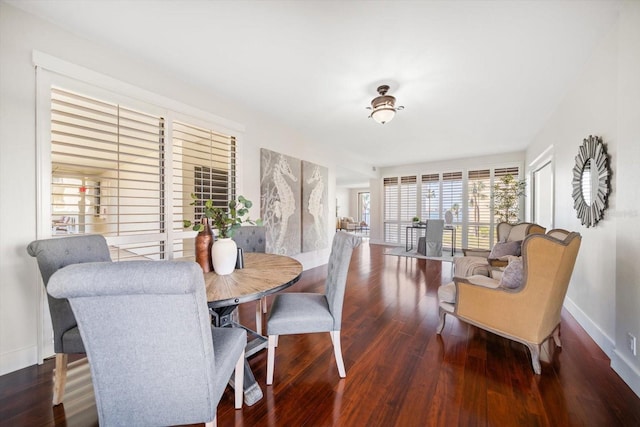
[513, 274]
[500, 250]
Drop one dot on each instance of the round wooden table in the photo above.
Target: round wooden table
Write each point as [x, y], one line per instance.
[263, 274]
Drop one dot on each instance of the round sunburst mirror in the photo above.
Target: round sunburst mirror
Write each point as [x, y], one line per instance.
[591, 181]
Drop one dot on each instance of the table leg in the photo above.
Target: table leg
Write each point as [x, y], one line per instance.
[221, 318]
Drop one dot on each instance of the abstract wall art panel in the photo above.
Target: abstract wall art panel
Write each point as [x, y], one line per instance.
[280, 207]
[314, 206]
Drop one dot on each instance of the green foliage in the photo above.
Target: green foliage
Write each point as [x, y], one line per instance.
[226, 221]
[506, 197]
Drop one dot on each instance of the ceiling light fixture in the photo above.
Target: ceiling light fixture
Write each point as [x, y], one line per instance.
[383, 107]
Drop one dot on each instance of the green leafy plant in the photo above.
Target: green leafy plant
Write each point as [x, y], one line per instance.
[416, 219]
[506, 198]
[225, 221]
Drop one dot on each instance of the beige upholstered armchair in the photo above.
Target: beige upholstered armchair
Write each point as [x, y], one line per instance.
[480, 261]
[527, 311]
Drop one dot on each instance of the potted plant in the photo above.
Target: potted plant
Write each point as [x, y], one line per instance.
[416, 220]
[506, 197]
[223, 252]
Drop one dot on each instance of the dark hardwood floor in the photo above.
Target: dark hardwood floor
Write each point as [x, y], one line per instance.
[399, 372]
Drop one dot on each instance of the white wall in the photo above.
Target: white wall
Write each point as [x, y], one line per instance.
[20, 34]
[627, 280]
[604, 100]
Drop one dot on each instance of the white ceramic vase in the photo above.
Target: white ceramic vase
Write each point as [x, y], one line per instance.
[224, 254]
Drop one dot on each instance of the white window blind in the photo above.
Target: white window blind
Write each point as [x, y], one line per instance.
[430, 197]
[203, 164]
[109, 174]
[452, 201]
[391, 209]
[479, 208]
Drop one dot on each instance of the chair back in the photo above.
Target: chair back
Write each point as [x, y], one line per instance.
[251, 238]
[338, 267]
[548, 265]
[514, 232]
[433, 237]
[147, 334]
[52, 255]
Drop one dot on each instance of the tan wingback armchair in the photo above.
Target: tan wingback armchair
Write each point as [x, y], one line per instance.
[477, 261]
[530, 314]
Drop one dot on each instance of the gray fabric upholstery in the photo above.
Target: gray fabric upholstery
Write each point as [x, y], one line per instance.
[54, 254]
[251, 238]
[154, 357]
[304, 310]
[433, 237]
[300, 313]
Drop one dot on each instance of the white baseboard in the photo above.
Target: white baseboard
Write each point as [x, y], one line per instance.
[18, 359]
[604, 341]
[629, 374]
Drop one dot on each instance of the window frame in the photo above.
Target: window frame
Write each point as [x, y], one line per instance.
[51, 72]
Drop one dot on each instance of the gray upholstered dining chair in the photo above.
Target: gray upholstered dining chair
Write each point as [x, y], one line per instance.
[252, 238]
[53, 254]
[431, 243]
[304, 313]
[155, 359]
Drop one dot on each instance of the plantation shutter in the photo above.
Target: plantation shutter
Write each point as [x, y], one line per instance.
[203, 164]
[110, 166]
[479, 208]
[107, 172]
[452, 200]
[430, 195]
[391, 208]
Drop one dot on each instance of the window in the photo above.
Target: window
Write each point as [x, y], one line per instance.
[391, 207]
[479, 209]
[430, 196]
[109, 174]
[364, 207]
[452, 201]
[203, 164]
[467, 195]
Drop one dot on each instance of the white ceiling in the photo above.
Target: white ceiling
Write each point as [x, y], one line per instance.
[475, 77]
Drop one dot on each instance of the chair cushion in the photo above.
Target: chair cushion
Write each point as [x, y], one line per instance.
[299, 313]
[513, 274]
[228, 343]
[507, 248]
[447, 293]
[465, 266]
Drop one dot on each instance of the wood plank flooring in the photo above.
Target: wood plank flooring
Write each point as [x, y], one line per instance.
[399, 372]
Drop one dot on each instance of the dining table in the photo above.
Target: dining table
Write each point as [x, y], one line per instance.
[262, 274]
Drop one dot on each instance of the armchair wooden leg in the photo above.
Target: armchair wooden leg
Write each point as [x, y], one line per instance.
[337, 351]
[556, 336]
[535, 357]
[263, 303]
[271, 356]
[239, 381]
[440, 327]
[59, 378]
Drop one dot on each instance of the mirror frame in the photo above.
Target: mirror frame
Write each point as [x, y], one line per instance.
[593, 149]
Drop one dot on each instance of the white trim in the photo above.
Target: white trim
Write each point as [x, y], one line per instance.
[602, 340]
[18, 359]
[547, 157]
[629, 373]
